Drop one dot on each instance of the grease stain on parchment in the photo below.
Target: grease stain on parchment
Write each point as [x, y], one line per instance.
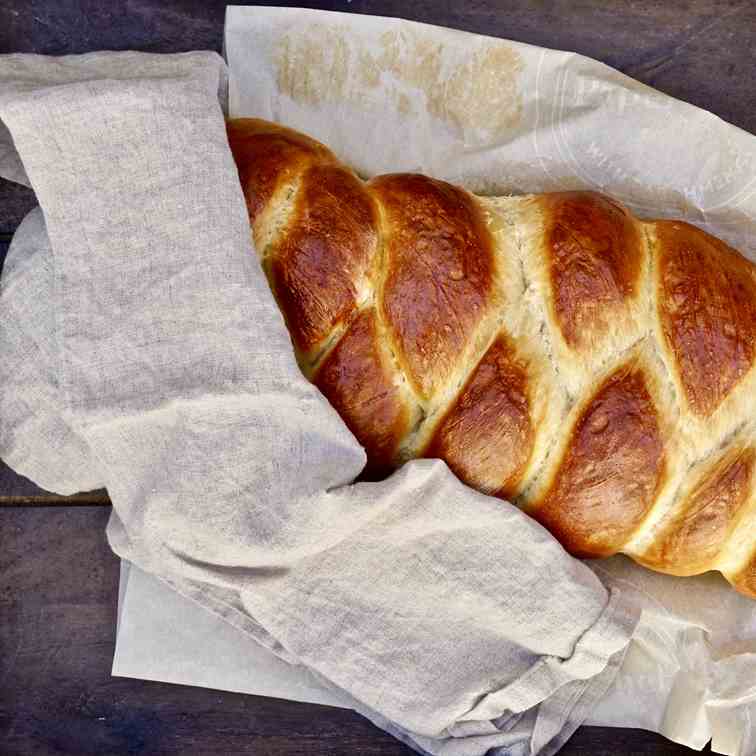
[321, 65]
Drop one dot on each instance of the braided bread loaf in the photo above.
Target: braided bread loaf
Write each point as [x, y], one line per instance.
[598, 370]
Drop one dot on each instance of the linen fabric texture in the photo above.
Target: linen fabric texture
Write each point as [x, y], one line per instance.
[143, 351]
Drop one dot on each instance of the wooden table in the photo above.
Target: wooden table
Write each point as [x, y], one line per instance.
[58, 579]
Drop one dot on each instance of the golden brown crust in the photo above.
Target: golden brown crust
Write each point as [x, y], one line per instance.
[595, 260]
[745, 580]
[486, 435]
[707, 308]
[690, 539]
[357, 379]
[266, 155]
[550, 347]
[324, 254]
[610, 471]
[439, 273]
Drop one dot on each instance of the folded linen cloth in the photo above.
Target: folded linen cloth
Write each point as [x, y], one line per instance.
[447, 617]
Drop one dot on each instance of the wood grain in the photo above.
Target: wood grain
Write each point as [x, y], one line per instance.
[58, 594]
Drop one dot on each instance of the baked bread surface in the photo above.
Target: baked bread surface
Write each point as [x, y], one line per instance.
[556, 351]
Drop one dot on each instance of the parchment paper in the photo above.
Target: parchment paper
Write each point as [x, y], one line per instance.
[502, 117]
[166, 637]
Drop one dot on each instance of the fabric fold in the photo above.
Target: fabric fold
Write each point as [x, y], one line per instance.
[449, 617]
[36, 440]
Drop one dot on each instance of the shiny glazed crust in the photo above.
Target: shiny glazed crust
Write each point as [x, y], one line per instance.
[553, 349]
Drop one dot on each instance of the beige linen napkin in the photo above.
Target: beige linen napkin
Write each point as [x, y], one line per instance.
[448, 617]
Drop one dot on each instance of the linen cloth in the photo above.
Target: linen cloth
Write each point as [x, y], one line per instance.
[447, 617]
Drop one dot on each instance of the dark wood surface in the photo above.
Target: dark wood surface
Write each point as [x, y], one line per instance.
[58, 580]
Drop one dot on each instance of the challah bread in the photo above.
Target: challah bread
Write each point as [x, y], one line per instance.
[554, 350]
